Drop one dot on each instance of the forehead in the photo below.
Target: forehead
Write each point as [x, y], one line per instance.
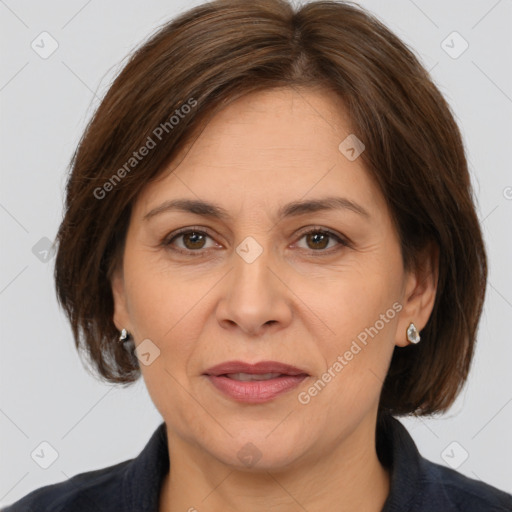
[279, 123]
[266, 149]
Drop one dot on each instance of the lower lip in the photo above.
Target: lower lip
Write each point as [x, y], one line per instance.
[255, 391]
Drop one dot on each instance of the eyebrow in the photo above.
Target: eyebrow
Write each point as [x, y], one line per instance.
[293, 209]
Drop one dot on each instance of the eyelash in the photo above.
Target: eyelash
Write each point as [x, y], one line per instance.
[320, 252]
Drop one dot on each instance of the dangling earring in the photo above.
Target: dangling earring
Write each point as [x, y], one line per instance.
[127, 342]
[412, 334]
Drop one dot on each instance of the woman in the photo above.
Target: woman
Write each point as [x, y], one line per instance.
[270, 218]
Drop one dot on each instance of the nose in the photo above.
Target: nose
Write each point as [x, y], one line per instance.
[255, 297]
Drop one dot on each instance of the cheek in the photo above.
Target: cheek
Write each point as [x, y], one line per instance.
[157, 302]
[358, 352]
[358, 301]
[165, 309]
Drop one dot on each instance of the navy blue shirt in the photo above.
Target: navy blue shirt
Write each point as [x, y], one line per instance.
[417, 485]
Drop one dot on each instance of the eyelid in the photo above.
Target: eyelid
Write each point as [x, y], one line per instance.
[322, 229]
[342, 240]
[166, 242]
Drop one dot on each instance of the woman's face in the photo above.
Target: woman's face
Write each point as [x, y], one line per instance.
[253, 286]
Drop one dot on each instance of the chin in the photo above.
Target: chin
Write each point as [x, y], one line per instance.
[258, 452]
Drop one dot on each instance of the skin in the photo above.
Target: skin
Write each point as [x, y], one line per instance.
[302, 301]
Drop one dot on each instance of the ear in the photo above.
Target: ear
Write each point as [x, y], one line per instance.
[121, 318]
[420, 289]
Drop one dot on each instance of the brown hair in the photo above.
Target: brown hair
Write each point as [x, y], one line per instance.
[219, 51]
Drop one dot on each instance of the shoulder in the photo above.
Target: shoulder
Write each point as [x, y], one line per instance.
[92, 490]
[133, 484]
[445, 486]
[420, 485]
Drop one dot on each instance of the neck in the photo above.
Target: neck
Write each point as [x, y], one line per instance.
[346, 478]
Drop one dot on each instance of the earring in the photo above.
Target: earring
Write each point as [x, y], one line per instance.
[412, 334]
[127, 342]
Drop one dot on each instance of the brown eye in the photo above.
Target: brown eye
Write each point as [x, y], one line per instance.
[317, 240]
[193, 240]
[190, 241]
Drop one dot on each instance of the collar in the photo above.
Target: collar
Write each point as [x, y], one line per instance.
[397, 452]
[144, 475]
[395, 448]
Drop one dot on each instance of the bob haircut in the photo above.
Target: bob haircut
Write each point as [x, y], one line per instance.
[195, 65]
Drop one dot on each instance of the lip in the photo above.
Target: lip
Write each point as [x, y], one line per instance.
[255, 391]
[255, 368]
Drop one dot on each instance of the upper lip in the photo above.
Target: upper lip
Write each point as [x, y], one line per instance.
[254, 368]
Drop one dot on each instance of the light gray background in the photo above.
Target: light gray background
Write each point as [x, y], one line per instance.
[45, 393]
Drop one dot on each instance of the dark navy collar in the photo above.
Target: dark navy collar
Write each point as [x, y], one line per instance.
[398, 453]
[416, 484]
[144, 475]
[395, 447]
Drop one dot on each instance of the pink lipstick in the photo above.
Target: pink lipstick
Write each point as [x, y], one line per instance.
[255, 383]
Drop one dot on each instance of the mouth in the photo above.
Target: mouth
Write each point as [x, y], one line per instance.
[255, 383]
